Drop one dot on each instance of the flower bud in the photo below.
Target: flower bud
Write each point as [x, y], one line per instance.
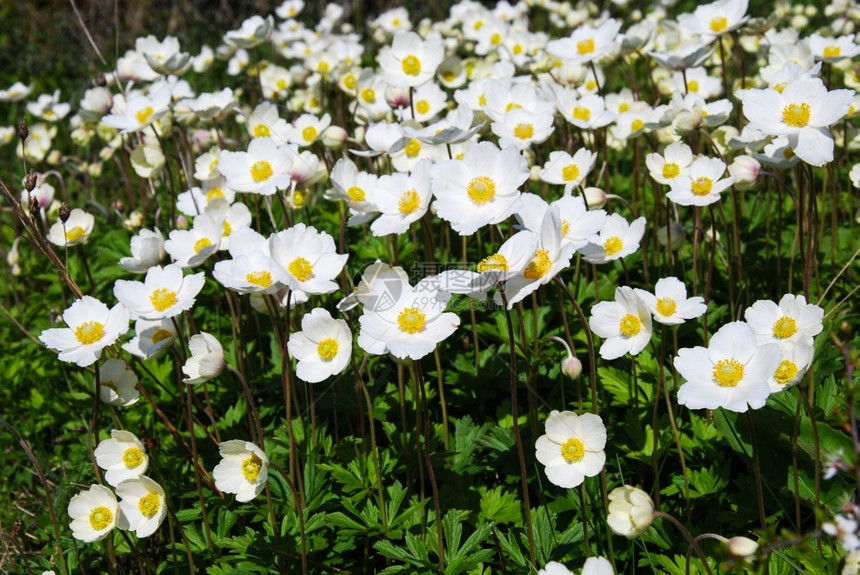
[65, 210]
[745, 171]
[742, 547]
[21, 128]
[631, 511]
[571, 367]
[595, 198]
[334, 137]
[30, 180]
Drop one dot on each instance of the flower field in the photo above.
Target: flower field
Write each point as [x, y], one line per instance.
[503, 288]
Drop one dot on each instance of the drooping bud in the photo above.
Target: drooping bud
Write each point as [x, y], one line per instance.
[742, 547]
[571, 367]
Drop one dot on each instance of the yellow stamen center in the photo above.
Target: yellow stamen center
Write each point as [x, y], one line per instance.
[143, 115]
[301, 269]
[89, 332]
[786, 371]
[100, 518]
[832, 51]
[327, 349]
[149, 504]
[322, 66]
[493, 263]
[630, 325]
[728, 372]
[796, 115]
[692, 86]
[226, 230]
[623, 107]
[349, 81]
[612, 245]
[214, 193]
[411, 65]
[581, 113]
[261, 171]
[585, 46]
[539, 266]
[74, 233]
[201, 244]
[411, 320]
[309, 134]
[524, 131]
[413, 148]
[636, 125]
[573, 450]
[719, 24]
[701, 186]
[784, 327]
[666, 306]
[671, 170]
[160, 335]
[261, 131]
[251, 467]
[355, 194]
[162, 298]
[409, 202]
[132, 457]
[262, 278]
[368, 95]
[570, 172]
[422, 106]
[481, 189]
[495, 39]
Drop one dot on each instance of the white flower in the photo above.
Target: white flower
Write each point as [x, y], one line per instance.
[94, 513]
[674, 162]
[322, 348]
[142, 505]
[401, 199]
[254, 30]
[586, 43]
[410, 60]
[151, 337]
[597, 566]
[701, 186]
[631, 511]
[206, 360]
[563, 169]
[669, 304]
[732, 372]
[76, 229]
[790, 322]
[263, 169]
[164, 292]
[625, 324]
[122, 457]
[91, 328]
[190, 248]
[243, 469]
[117, 383]
[147, 250]
[796, 359]
[572, 448]
[616, 239]
[309, 257]
[555, 568]
[140, 111]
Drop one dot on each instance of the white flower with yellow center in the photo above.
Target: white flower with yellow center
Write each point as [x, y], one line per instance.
[588, 112]
[427, 101]
[147, 250]
[164, 292]
[263, 169]
[252, 272]
[193, 201]
[151, 338]
[791, 322]
[143, 505]
[669, 304]
[307, 129]
[354, 187]
[569, 171]
[76, 230]
[94, 513]
[265, 122]
[586, 43]
[832, 50]
[702, 185]
[140, 111]
[192, 247]
[405, 321]
[624, 324]
[117, 383]
[803, 110]
[521, 128]
[243, 470]
[672, 163]
[122, 457]
[631, 511]
[402, 199]
[410, 60]
[91, 328]
[715, 19]
[322, 348]
[616, 239]
[795, 361]
[206, 360]
[572, 448]
[732, 372]
[309, 258]
[254, 30]
[480, 189]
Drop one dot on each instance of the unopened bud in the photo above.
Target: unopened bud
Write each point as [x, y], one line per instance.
[672, 236]
[30, 180]
[742, 547]
[65, 210]
[21, 128]
[571, 367]
[595, 198]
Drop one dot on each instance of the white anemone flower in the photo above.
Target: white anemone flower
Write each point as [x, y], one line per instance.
[151, 338]
[569, 171]
[122, 457]
[263, 169]
[572, 448]
[410, 60]
[702, 185]
[323, 346]
[586, 43]
[616, 239]
[309, 257]
[669, 304]
[147, 250]
[140, 111]
[243, 470]
[143, 506]
[76, 229]
[94, 513]
[625, 324]
[117, 383]
[631, 511]
[732, 372]
[164, 292]
[206, 360]
[792, 321]
[91, 328]
[672, 163]
[402, 199]
[796, 360]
